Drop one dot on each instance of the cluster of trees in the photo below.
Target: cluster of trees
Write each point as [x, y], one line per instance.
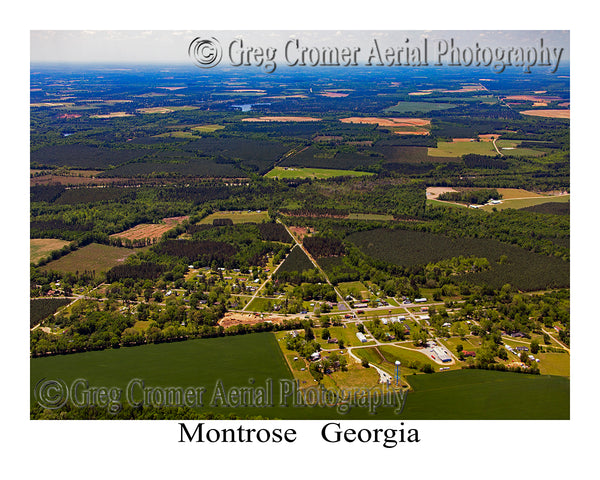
[320, 246]
[204, 252]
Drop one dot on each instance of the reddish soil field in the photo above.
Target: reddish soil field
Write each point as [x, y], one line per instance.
[531, 98]
[153, 231]
[333, 94]
[299, 232]
[70, 180]
[419, 132]
[230, 319]
[389, 122]
[548, 113]
[281, 119]
[488, 137]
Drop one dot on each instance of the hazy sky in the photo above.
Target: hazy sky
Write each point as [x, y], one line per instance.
[171, 47]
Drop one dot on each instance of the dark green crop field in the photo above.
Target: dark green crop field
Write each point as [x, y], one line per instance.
[463, 394]
[487, 395]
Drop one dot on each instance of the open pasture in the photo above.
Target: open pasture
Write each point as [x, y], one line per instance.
[92, 257]
[528, 202]
[41, 247]
[457, 149]
[315, 173]
[237, 217]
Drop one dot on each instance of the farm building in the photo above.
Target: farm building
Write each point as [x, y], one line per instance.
[420, 300]
[361, 305]
[442, 354]
[361, 337]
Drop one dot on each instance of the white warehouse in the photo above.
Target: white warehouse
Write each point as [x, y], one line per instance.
[361, 337]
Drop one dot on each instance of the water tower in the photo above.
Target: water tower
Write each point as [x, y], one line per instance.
[397, 372]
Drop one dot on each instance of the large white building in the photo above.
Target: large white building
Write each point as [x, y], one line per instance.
[442, 354]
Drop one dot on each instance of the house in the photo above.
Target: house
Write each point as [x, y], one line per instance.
[521, 349]
[468, 353]
[315, 356]
[332, 340]
[518, 335]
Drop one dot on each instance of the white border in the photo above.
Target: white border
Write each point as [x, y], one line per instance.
[451, 449]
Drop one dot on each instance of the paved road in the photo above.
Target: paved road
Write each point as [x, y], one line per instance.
[317, 266]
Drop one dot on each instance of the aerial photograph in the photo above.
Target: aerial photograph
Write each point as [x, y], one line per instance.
[300, 225]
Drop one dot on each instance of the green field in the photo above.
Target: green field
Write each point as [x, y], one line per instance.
[208, 128]
[527, 202]
[484, 394]
[317, 173]
[390, 355]
[357, 289]
[92, 257]
[408, 107]
[260, 304]
[457, 149]
[237, 217]
[463, 394]
[511, 148]
[40, 247]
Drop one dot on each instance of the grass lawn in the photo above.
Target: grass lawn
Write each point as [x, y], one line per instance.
[392, 353]
[92, 257]
[296, 172]
[41, 247]
[357, 289]
[237, 217]
[260, 304]
[555, 364]
[456, 149]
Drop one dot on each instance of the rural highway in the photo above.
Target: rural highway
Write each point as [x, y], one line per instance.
[317, 267]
